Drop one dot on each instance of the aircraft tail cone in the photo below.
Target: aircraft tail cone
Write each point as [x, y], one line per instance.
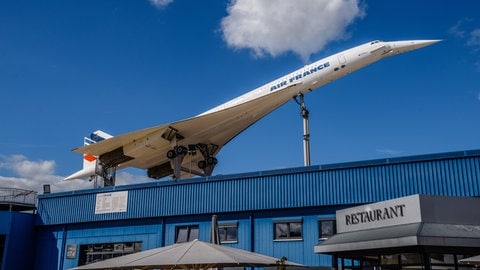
[85, 173]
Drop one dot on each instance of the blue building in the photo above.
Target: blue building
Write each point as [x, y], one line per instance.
[278, 213]
[17, 234]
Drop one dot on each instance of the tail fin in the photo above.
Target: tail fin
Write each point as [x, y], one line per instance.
[89, 161]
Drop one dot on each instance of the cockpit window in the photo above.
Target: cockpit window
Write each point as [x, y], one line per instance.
[374, 42]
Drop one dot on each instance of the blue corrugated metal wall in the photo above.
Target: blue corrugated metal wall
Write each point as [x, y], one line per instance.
[54, 239]
[253, 201]
[48, 244]
[453, 174]
[18, 231]
[295, 250]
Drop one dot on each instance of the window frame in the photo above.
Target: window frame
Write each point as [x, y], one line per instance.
[226, 227]
[189, 232]
[93, 252]
[289, 230]
[334, 227]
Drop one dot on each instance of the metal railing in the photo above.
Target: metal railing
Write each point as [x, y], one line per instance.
[17, 196]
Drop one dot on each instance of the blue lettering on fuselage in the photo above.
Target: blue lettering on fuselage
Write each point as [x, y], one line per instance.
[297, 77]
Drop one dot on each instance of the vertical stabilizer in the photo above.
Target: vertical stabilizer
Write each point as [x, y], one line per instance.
[90, 162]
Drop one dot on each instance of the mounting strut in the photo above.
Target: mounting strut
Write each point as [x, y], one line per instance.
[306, 129]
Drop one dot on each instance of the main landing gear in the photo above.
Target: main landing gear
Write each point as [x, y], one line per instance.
[178, 153]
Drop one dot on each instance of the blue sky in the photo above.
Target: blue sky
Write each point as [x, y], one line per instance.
[71, 67]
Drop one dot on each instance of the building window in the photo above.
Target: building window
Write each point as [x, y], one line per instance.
[290, 230]
[98, 252]
[228, 233]
[186, 233]
[326, 229]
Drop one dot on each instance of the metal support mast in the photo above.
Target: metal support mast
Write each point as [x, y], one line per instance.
[306, 129]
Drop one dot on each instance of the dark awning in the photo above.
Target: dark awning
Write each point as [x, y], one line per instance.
[415, 234]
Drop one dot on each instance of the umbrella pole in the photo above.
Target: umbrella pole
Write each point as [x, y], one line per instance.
[214, 235]
[281, 263]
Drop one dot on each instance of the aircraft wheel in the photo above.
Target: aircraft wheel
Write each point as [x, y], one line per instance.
[171, 154]
[180, 150]
[202, 164]
[212, 160]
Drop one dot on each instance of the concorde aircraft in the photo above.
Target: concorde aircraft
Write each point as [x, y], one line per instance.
[189, 147]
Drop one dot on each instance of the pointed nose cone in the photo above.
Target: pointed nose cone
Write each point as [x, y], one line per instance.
[410, 45]
[423, 43]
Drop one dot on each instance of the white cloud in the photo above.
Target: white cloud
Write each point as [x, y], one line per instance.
[467, 31]
[29, 169]
[273, 27]
[126, 178]
[32, 175]
[160, 3]
[474, 38]
[457, 30]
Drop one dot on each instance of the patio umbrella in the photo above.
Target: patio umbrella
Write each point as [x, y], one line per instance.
[190, 255]
[472, 260]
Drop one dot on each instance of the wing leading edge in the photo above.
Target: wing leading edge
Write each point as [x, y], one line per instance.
[184, 148]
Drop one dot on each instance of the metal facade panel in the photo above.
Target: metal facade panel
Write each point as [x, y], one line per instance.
[452, 174]
[148, 232]
[17, 233]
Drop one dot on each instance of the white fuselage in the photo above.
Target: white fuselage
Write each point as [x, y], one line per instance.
[327, 69]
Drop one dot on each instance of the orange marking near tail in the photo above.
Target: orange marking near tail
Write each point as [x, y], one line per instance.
[89, 157]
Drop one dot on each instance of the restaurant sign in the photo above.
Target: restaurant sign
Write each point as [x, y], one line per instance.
[382, 214]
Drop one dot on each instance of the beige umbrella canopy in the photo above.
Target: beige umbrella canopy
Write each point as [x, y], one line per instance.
[472, 260]
[190, 255]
